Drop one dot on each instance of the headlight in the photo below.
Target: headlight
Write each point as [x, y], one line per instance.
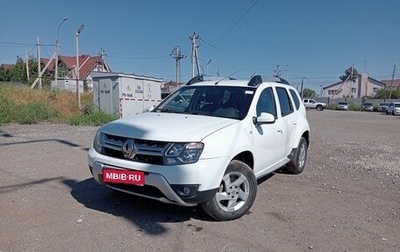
[183, 153]
[97, 142]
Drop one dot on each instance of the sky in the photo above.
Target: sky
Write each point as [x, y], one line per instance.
[313, 41]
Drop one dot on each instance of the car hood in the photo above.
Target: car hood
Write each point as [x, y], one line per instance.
[167, 126]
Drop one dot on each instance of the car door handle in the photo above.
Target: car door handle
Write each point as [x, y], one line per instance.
[279, 130]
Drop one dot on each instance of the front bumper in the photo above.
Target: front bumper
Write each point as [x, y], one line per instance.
[165, 183]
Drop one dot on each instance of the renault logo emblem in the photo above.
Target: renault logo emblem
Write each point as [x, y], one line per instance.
[129, 149]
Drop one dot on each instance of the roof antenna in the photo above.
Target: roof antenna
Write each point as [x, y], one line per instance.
[216, 83]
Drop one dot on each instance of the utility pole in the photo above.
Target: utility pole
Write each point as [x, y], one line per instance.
[78, 92]
[195, 55]
[391, 83]
[177, 55]
[277, 72]
[27, 64]
[208, 63]
[302, 87]
[38, 59]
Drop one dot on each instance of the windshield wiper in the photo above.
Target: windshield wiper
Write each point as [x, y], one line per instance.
[167, 110]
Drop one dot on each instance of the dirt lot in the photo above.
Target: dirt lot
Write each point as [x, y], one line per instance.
[347, 199]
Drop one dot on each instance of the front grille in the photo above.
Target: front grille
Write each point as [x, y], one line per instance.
[150, 152]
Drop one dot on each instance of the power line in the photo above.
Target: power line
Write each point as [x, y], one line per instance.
[138, 58]
[233, 26]
[15, 44]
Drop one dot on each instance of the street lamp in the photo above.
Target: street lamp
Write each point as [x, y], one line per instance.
[78, 94]
[57, 48]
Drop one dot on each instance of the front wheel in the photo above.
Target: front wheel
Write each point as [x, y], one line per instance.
[235, 195]
[296, 166]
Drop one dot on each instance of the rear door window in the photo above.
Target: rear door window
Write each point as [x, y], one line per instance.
[296, 99]
[284, 101]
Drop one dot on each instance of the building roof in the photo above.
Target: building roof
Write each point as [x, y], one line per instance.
[388, 83]
[372, 80]
[87, 64]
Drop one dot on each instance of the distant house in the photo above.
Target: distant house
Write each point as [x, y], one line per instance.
[392, 85]
[7, 66]
[364, 86]
[66, 69]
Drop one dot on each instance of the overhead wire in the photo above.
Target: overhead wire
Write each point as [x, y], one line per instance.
[233, 26]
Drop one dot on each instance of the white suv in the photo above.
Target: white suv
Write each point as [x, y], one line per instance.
[206, 143]
[393, 108]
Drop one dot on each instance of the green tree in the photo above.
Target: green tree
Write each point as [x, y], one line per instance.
[350, 74]
[5, 75]
[385, 94]
[18, 73]
[309, 93]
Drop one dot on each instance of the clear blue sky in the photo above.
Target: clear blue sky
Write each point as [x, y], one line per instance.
[315, 39]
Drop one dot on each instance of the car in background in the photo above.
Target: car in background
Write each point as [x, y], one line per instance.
[393, 108]
[342, 105]
[367, 106]
[313, 104]
[383, 106]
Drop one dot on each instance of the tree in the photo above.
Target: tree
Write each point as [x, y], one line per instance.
[309, 93]
[17, 73]
[350, 74]
[385, 94]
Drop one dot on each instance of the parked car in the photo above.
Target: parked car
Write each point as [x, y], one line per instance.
[313, 104]
[231, 133]
[393, 108]
[383, 106]
[342, 105]
[367, 106]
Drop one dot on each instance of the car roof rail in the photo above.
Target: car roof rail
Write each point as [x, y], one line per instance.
[257, 80]
[198, 78]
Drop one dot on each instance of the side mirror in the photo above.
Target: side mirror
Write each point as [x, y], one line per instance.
[264, 118]
[149, 109]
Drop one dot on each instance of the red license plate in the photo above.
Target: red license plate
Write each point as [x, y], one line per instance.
[123, 176]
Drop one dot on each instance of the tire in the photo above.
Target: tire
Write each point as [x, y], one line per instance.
[387, 113]
[236, 193]
[320, 108]
[296, 166]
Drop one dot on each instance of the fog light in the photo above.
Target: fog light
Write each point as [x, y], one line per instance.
[185, 191]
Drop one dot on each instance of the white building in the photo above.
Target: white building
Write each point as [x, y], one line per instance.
[364, 86]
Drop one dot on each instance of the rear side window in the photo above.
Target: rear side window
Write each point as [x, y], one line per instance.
[295, 99]
[284, 100]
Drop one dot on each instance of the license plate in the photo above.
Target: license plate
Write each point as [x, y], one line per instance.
[123, 177]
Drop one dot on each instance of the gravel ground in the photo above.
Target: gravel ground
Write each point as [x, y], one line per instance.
[347, 199]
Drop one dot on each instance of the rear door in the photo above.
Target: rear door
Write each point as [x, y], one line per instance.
[289, 118]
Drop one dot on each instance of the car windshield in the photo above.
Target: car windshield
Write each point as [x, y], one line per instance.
[220, 101]
[397, 105]
[384, 104]
[342, 103]
[367, 104]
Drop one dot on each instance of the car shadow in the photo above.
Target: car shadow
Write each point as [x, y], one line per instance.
[147, 215]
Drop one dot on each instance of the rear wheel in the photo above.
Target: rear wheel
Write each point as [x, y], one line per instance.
[296, 166]
[236, 193]
[320, 108]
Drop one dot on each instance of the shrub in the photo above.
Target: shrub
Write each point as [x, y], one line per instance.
[354, 107]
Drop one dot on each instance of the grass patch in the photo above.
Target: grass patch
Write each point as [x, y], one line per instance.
[22, 105]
